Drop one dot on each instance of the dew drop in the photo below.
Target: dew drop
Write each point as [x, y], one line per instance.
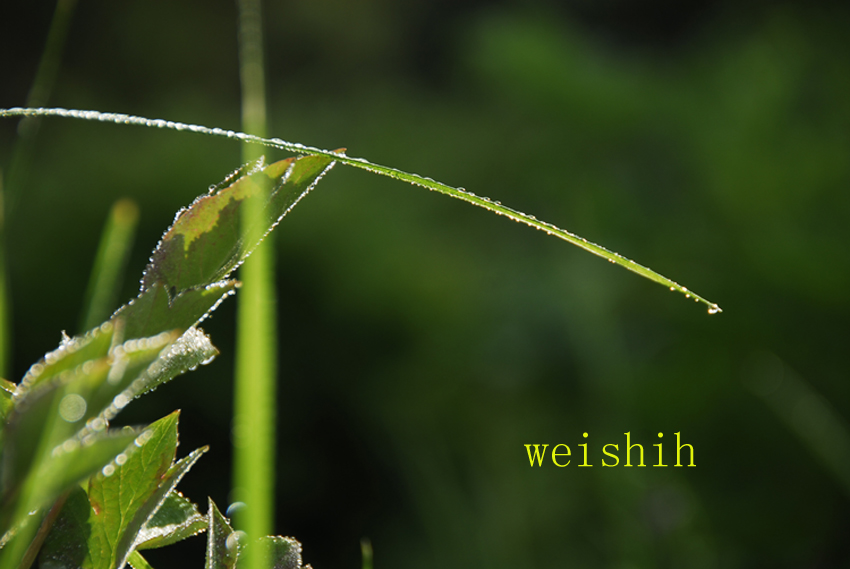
[72, 408]
[120, 401]
[234, 540]
[235, 507]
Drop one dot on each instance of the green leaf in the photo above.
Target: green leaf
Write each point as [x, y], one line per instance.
[72, 352]
[117, 495]
[49, 413]
[190, 350]
[65, 546]
[136, 561]
[155, 311]
[277, 552]
[175, 520]
[206, 242]
[130, 364]
[7, 390]
[169, 481]
[222, 541]
[34, 426]
[100, 530]
[76, 460]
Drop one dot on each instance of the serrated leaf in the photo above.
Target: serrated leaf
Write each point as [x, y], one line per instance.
[207, 242]
[65, 546]
[175, 520]
[50, 412]
[277, 552]
[100, 530]
[117, 496]
[222, 542]
[149, 508]
[129, 365]
[190, 350]
[155, 310]
[34, 426]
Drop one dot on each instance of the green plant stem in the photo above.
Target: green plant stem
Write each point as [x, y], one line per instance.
[364, 164]
[256, 334]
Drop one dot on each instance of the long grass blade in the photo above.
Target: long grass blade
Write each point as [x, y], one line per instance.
[415, 179]
[112, 254]
[42, 85]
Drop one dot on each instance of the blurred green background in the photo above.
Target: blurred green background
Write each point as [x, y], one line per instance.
[424, 341]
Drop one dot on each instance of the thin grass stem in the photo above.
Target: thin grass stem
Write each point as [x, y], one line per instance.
[362, 163]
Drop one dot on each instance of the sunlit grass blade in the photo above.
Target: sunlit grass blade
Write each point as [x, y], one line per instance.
[415, 179]
[111, 259]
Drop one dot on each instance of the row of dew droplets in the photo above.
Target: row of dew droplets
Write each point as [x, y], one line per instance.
[122, 458]
[67, 347]
[259, 165]
[118, 361]
[273, 225]
[246, 168]
[214, 286]
[368, 166]
[191, 349]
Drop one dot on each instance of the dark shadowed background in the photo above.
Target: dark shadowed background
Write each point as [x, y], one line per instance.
[424, 341]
